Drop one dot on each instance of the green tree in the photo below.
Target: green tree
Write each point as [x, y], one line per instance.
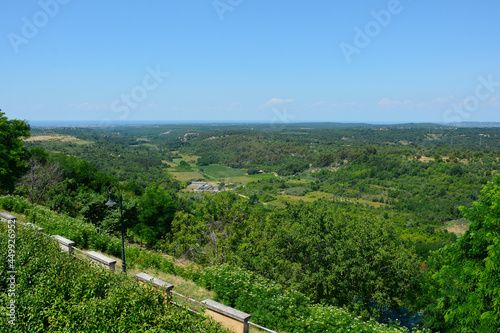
[156, 210]
[183, 165]
[325, 160]
[213, 231]
[464, 287]
[13, 154]
[253, 171]
[336, 256]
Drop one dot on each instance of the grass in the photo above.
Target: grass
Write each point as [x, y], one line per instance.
[19, 217]
[83, 142]
[219, 171]
[318, 195]
[150, 145]
[284, 198]
[301, 181]
[277, 203]
[295, 198]
[371, 203]
[171, 164]
[185, 176]
[176, 161]
[190, 158]
[214, 172]
[242, 179]
[261, 175]
[57, 138]
[181, 285]
[458, 227]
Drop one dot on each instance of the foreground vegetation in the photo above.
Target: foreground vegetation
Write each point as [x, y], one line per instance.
[55, 292]
[270, 303]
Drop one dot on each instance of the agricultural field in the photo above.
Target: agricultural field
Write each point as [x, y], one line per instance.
[184, 176]
[56, 138]
[216, 171]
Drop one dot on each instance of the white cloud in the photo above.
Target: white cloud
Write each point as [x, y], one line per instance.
[437, 101]
[388, 102]
[333, 105]
[234, 106]
[276, 102]
[441, 100]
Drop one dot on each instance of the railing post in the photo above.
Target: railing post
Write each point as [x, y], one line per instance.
[232, 319]
[143, 277]
[102, 260]
[66, 244]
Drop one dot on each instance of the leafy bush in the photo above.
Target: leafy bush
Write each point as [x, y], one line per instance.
[15, 203]
[253, 171]
[87, 236]
[298, 191]
[273, 306]
[463, 291]
[334, 254]
[59, 293]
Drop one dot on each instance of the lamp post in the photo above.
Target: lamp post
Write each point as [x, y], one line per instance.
[112, 203]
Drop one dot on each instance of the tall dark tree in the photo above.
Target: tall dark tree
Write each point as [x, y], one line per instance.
[157, 210]
[13, 153]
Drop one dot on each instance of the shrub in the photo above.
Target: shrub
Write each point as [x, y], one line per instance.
[59, 293]
[274, 306]
[87, 235]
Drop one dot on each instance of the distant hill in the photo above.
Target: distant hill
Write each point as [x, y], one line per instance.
[474, 124]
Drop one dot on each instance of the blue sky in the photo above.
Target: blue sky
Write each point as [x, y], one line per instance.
[259, 60]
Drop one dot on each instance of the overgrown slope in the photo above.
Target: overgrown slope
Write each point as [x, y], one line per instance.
[55, 292]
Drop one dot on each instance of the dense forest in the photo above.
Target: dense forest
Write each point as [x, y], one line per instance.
[355, 216]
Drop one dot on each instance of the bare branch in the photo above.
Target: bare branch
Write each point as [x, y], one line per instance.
[39, 179]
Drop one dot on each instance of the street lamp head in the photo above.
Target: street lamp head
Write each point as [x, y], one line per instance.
[110, 202]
